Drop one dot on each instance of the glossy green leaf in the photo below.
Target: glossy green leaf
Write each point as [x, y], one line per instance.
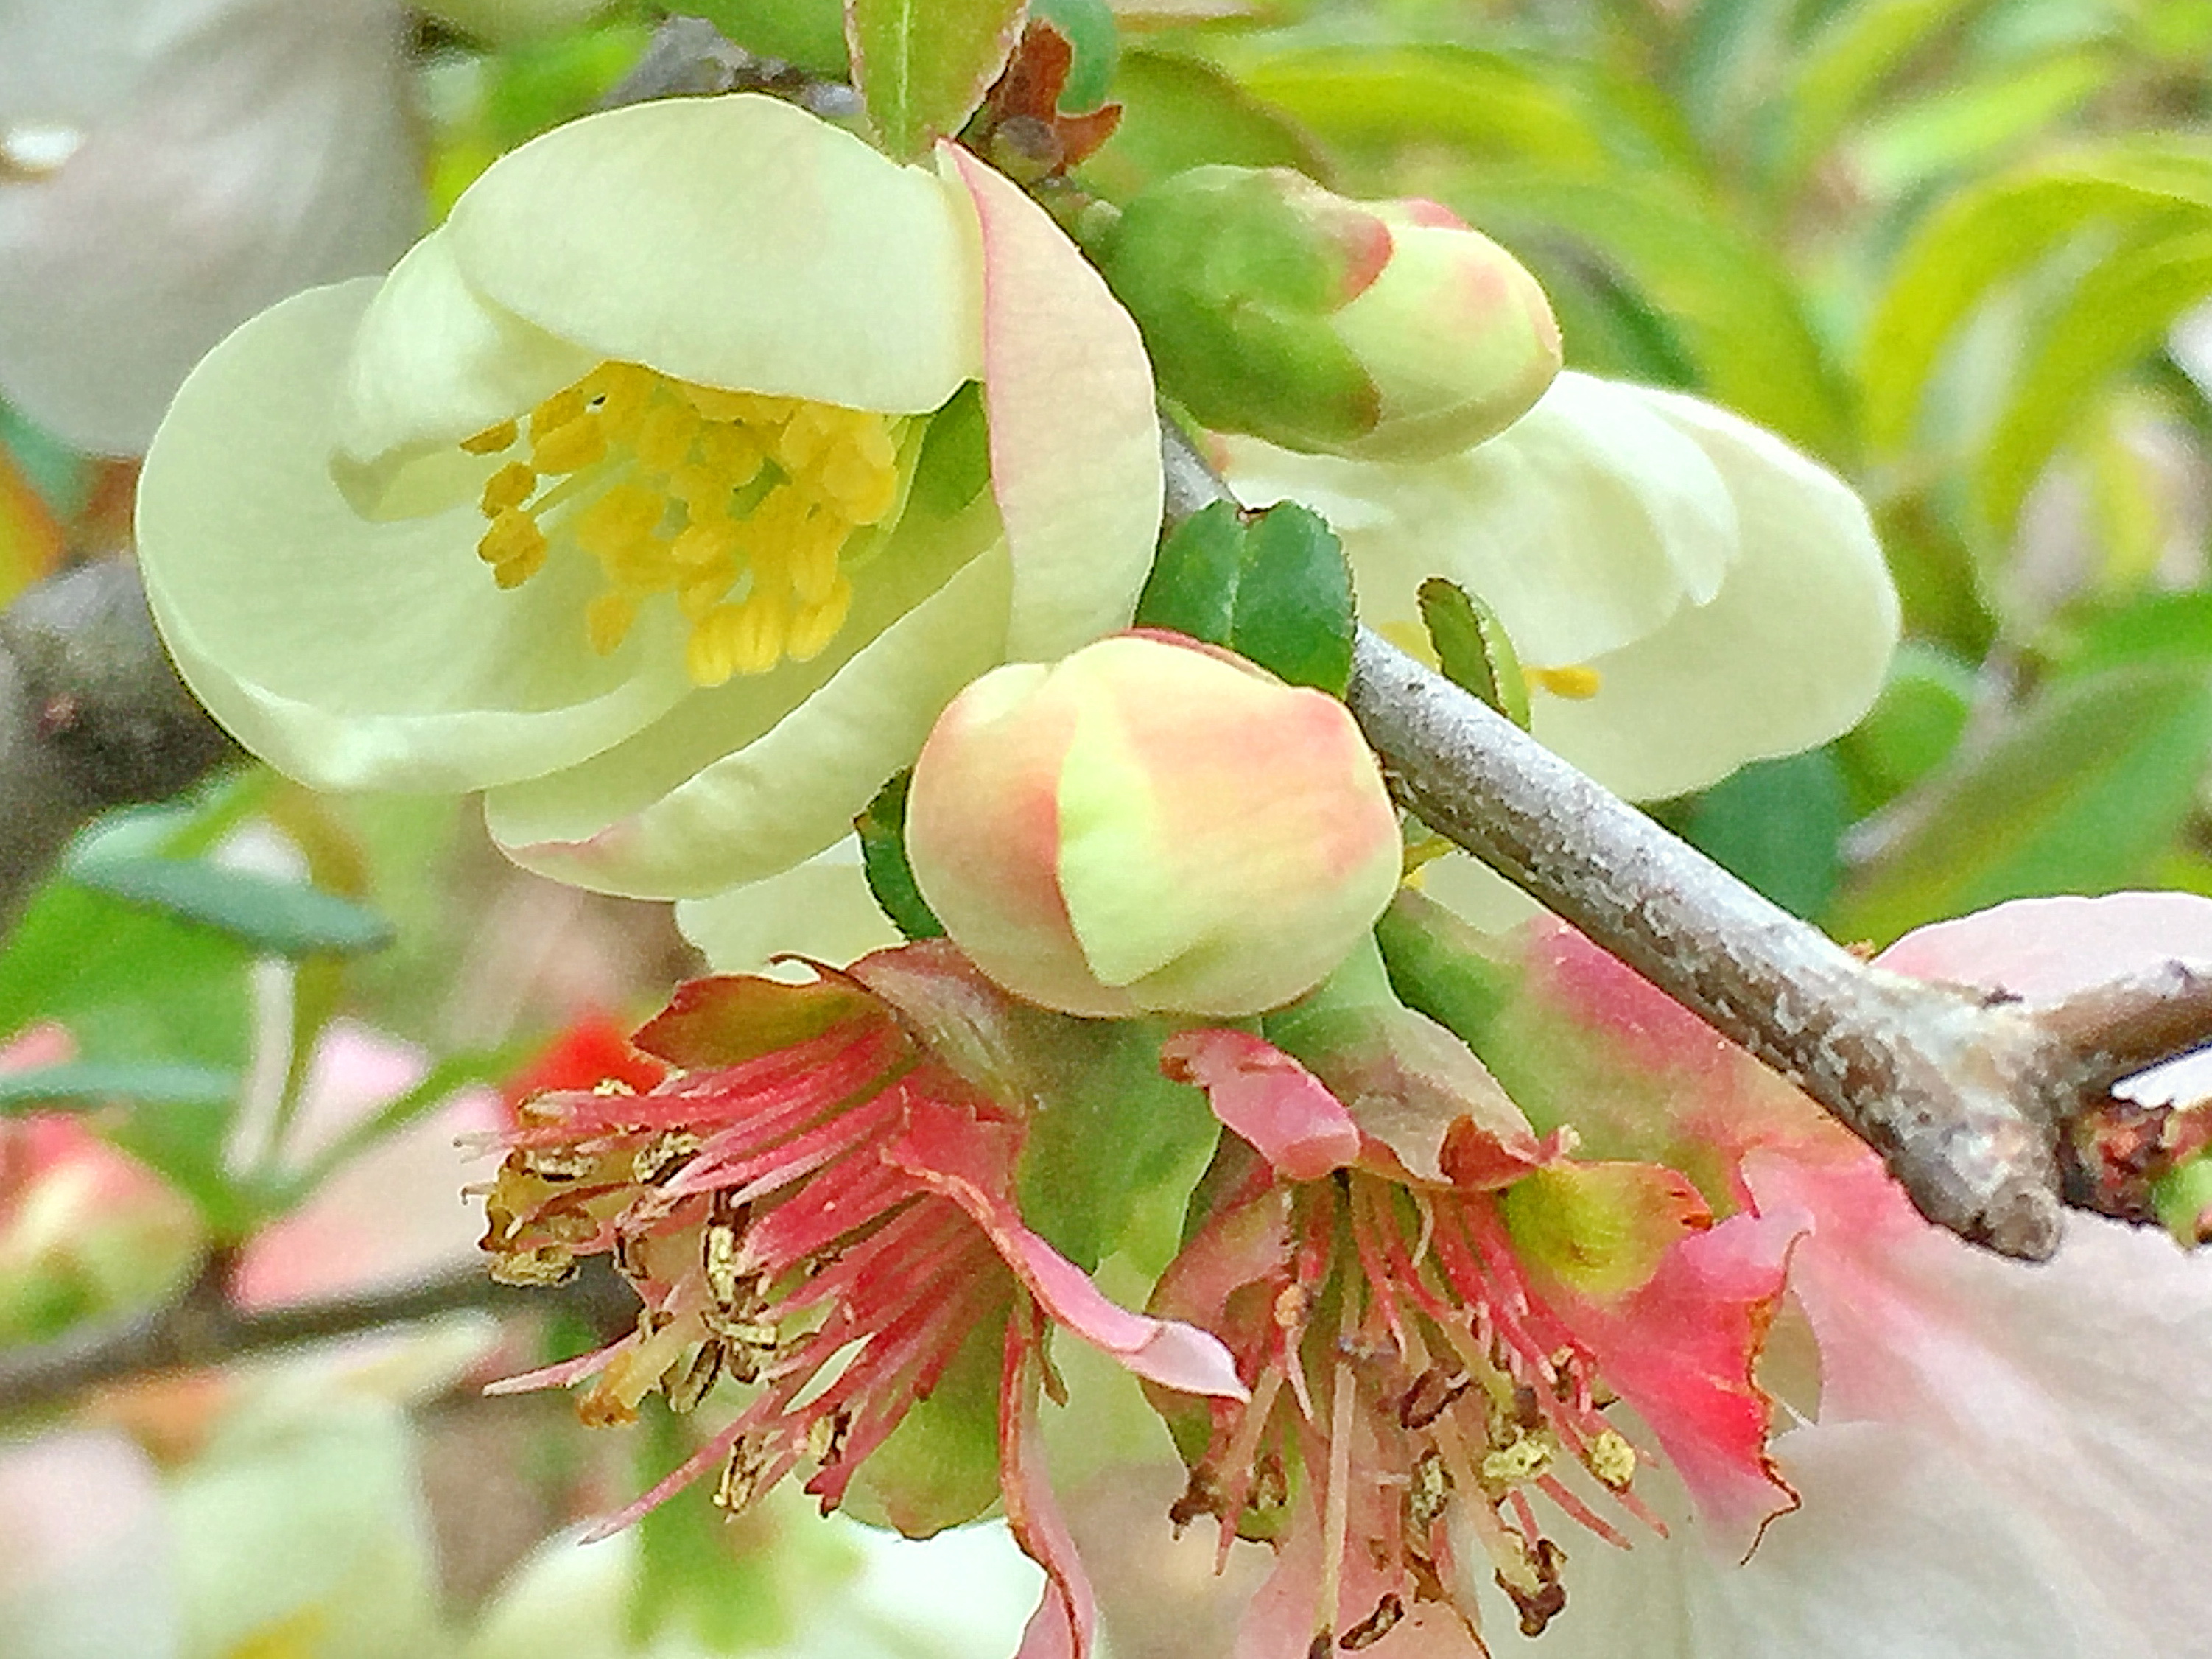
[1776, 824]
[1473, 648]
[130, 984]
[923, 65]
[1178, 112]
[1271, 586]
[2118, 314]
[2081, 795]
[274, 916]
[80, 1083]
[882, 830]
[1992, 232]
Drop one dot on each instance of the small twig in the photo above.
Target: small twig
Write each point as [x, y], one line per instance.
[1983, 1109]
[91, 716]
[203, 1328]
[689, 58]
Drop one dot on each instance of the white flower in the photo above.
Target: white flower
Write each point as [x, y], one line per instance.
[169, 167]
[1693, 592]
[812, 440]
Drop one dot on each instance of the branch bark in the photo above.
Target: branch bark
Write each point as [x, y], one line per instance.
[1984, 1109]
[91, 716]
[203, 1328]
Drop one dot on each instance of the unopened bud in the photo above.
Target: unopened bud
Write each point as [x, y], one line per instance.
[1386, 330]
[1150, 825]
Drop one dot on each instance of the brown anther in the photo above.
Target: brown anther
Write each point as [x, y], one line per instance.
[687, 1384]
[1432, 1392]
[1374, 1627]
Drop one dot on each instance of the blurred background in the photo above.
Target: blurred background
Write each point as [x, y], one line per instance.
[1959, 249]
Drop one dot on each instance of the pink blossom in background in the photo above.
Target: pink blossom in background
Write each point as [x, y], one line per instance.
[391, 1216]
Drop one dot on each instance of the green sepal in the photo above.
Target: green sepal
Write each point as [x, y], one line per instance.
[1273, 586]
[1112, 1159]
[1473, 648]
[1232, 274]
[882, 828]
[939, 1467]
[2183, 1199]
[923, 66]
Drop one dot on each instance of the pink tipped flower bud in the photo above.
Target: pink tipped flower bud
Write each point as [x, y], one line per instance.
[1382, 331]
[1150, 825]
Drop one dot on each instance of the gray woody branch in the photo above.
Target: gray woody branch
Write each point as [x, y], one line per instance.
[91, 716]
[1991, 1116]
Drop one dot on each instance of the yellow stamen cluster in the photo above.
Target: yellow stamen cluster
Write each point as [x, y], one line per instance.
[736, 504]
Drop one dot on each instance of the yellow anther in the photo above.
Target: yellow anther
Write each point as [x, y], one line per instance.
[607, 622]
[731, 451]
[491, 439]
[558, 410]
[699, 594]
[512, 535]
[620, 392]
[814, 626]
[704, 492]
[1577, 683]
[619, 521]
[660, 482]
[702, 544]
[717, 404]
[513, 573]
[663, 437]
[509, 487]
[569, 447]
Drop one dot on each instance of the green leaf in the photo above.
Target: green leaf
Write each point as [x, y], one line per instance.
[923, 65]
[2157, 628]
[1728, 303]
[1913, 726]
[130, 984]
[1992, 232]
[1858, 49]
[1272, 586]
[808, 34]
[277, 917]
[1177, 113]
[1962, 125]
[2118, 314]
[1473, 648]
[1096, 40]
[1776, 824]
[701, 1574]
[1112, 1158]
[882, 829]
[1487, 104]
[96, 1082]
[2082, 795]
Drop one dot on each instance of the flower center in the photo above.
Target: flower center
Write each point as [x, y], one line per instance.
[738, 504]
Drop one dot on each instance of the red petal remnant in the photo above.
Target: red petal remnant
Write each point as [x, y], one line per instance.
[818, 1205]
[1417, 1385]
[1265, 1096]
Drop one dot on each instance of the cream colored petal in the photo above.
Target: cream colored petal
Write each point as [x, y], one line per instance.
[743, 782]
[1585, 525]
[737, 242]
[821, 910]
[1075, 443]
[349, 655]
[220, 157]
[435, 362]
[1790, 655]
